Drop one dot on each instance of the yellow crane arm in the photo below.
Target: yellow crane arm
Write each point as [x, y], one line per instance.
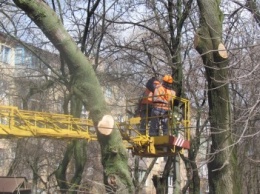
[23, 123]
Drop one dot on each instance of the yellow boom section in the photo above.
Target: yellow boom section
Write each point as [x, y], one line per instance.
[21, 123]
[24, 123]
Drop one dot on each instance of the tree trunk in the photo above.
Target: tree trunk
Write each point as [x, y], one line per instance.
[161, 183]
[139, 184]
[192, 185]
[79, 150]
[208, 42]
[193, 179]
[177, 176]
[61, 171]
[85, 86]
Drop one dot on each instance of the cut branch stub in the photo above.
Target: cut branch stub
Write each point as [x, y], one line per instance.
[196, 40]
[222, 51]
[106, 124]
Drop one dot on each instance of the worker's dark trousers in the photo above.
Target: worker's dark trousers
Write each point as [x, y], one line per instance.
[158, 116]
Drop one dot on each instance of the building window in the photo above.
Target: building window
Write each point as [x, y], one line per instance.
[23, 57]
[19, 53]
[108, 93]
[170, 181]
[5, 55]
[2, 156]
[141, 175]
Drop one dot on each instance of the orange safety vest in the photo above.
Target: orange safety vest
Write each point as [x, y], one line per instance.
[148, 95]
[162, 97]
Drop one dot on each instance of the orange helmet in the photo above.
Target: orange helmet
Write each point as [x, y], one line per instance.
[168, 79]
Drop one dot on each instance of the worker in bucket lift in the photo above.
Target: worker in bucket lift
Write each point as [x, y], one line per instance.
[145, 103]
[162, 97]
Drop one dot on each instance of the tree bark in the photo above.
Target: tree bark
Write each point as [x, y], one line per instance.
[222, 168]
[60, 173]
[85, 86]
[161, 183]
[139, 184]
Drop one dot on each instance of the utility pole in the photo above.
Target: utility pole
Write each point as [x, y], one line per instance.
[176, 175]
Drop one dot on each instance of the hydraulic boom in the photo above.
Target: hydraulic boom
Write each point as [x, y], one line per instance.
[24, 123]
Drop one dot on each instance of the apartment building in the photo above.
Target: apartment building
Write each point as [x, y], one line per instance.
[23, 74]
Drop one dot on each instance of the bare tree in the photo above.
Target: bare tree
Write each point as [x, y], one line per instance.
[208, 42]
[134, 44]
[87, 91]
[155, 49]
